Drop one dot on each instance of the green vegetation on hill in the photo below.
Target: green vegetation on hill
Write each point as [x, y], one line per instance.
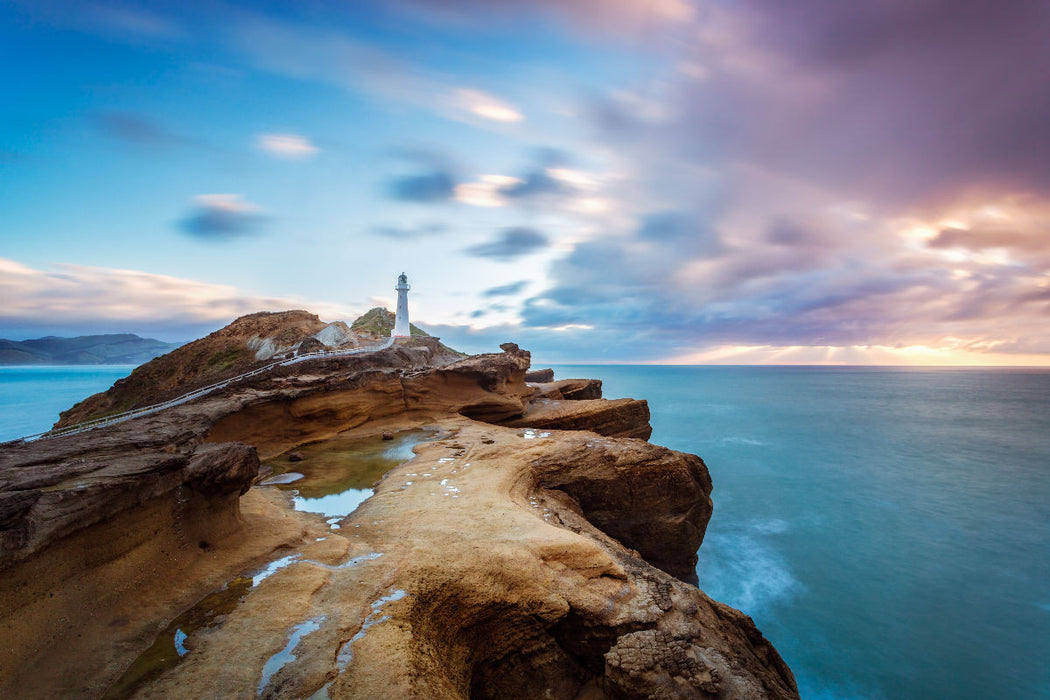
[380, 322]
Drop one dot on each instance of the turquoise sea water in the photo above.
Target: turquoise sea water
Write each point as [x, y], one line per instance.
[888, 529]
[32, 397]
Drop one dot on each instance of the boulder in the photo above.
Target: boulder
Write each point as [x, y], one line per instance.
[539, 376]
[569, 389]
[613, 418]
[309, 346]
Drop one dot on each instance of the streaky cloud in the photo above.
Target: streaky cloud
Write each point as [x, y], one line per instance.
[222, 217]
[425, 188]
[506, 290]
[510, 244]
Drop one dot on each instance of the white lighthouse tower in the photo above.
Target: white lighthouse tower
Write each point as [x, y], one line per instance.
[401, 326]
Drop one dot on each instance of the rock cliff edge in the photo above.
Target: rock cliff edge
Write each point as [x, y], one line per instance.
[536, 546]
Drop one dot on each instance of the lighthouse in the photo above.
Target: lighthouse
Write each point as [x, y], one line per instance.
[401, 326]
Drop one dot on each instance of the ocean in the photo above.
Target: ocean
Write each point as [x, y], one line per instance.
[887, 529]
[31, 396]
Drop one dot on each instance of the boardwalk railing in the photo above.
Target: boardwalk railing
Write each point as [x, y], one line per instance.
[195, 394]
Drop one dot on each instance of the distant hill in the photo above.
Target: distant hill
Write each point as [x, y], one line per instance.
[110, 349]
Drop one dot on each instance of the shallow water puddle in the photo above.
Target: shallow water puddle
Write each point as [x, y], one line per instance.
[338, 474]
[346, 654]
[170, 645]
[285, 656]
[286, 478]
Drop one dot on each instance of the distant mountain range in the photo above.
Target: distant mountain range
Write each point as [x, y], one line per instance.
[110, 349]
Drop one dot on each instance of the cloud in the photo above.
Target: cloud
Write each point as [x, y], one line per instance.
[434, 228]
[486, 106]
[506, 290]
[605, 18]
[433, 186]
[428, 178]
[900, 103]
[548, 183]
[222, 216]
[976, 239]
[124, 24]
[511, 244]
[81, 299]
[543, 178]
[536, 182]
[137, 129]
[774, 175]
[838, 178]
[674, 286]
[485, 192]
[322, 52]
[290, 146]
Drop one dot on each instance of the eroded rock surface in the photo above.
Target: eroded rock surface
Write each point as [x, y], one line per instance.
[568, 389]
[613, 418]
[548, 556]
[476, 571]
[540, 375]
[249, 342]
[51, 488]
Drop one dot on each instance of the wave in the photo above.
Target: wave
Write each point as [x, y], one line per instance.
[736, 440]
[744, 571]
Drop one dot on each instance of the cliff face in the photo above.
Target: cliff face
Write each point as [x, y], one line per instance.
[534, 549]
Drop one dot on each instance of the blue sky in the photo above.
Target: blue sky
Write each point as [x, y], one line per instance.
[598, 180]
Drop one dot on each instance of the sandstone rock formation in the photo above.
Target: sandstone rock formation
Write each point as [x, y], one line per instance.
[475, 571]
[537, 548]
[574, 404]
[615, 417]
[569, 389]
[540, 375]
[236, 348]
[250, 341]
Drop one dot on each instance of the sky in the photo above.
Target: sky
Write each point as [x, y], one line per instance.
[662, 181]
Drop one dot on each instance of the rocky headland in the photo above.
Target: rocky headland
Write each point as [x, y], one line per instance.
[535, 545]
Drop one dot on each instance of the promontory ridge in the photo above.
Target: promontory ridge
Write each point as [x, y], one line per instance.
[528, 542]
